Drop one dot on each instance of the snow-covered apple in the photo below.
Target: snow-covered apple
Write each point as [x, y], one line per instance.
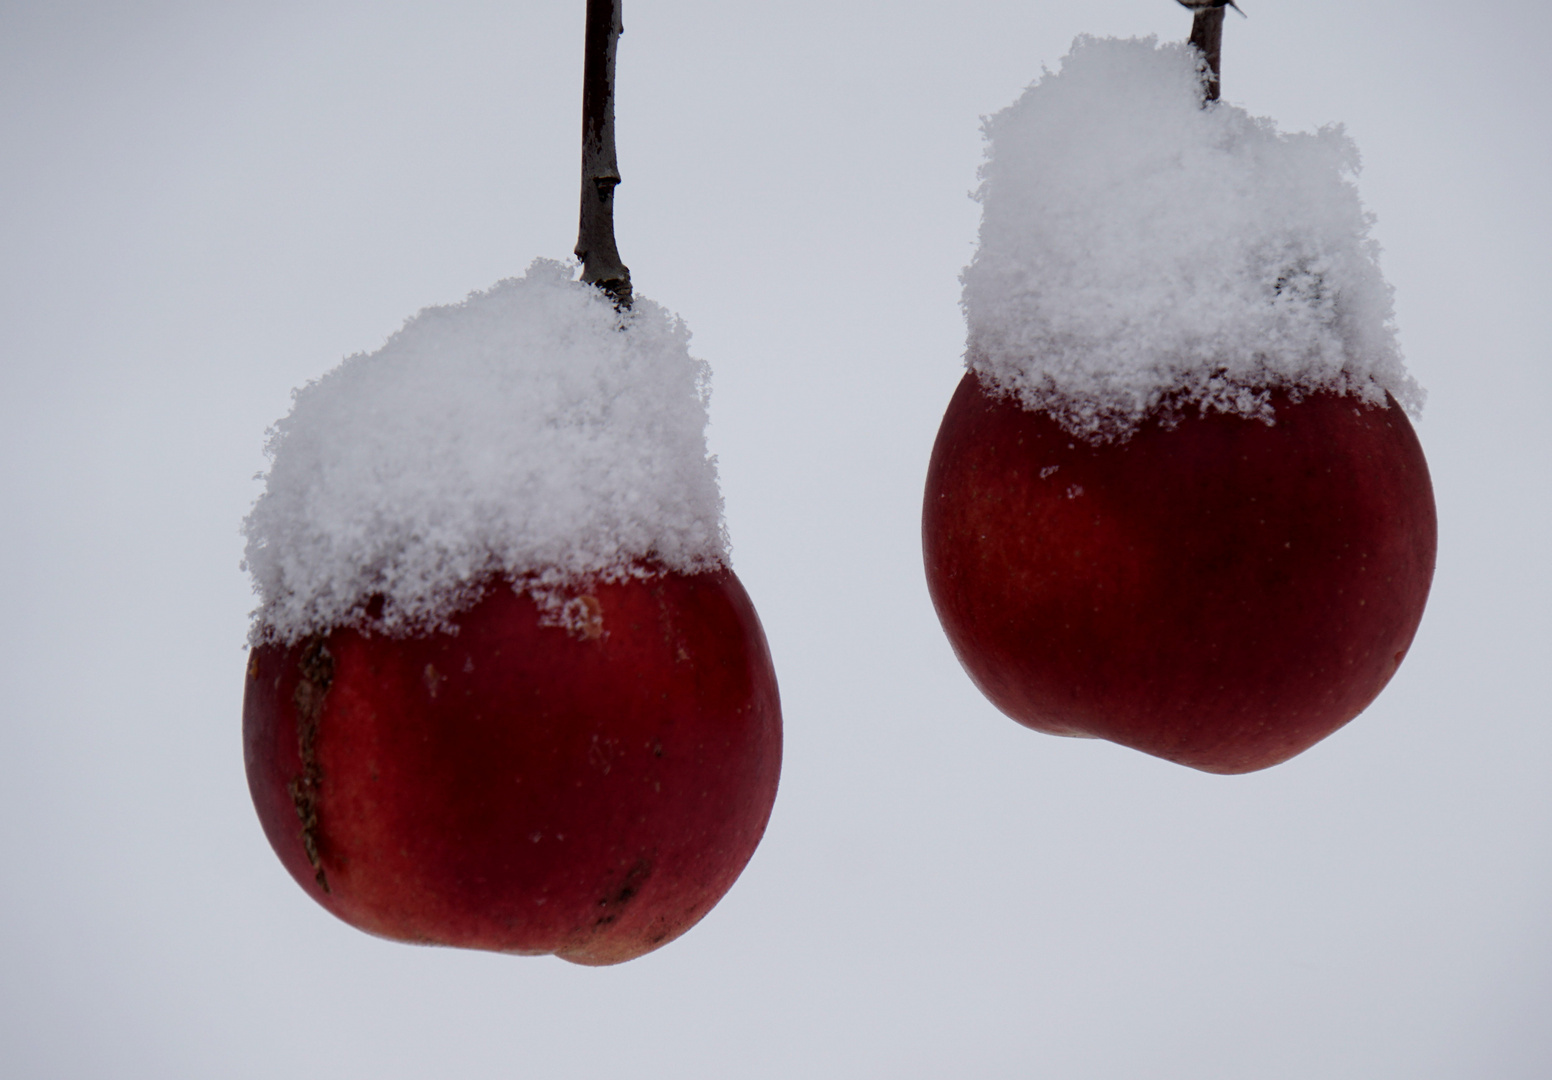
[1176, 502]
[505, 691]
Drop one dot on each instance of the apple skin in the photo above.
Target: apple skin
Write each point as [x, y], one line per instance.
[589, 792]
[1222, 593]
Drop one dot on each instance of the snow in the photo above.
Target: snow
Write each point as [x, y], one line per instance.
[1140, 254]
[531, 432]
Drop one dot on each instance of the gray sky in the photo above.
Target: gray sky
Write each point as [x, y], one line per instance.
[204, 205]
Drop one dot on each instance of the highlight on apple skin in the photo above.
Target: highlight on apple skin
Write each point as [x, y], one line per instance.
[1222, 592]
[588, 788]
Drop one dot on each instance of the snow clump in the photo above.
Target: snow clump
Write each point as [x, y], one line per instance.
[1140, 254]
[532, 433]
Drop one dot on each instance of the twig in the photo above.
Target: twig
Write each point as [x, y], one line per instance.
[1207, 36]
[596, 248]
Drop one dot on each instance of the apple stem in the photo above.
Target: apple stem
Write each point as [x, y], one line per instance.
[596, 248]
[1207, 36]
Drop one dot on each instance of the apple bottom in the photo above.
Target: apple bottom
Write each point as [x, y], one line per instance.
[588, 789]
[1222, 593]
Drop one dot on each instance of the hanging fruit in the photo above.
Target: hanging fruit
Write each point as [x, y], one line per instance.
[1176, 501]
[505, 690]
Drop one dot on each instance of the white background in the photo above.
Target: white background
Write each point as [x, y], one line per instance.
[203, 205]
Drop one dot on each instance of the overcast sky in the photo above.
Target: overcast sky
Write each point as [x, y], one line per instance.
[204, 205]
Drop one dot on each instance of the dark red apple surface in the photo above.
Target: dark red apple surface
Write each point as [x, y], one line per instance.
[1222, 593]
[588, 790]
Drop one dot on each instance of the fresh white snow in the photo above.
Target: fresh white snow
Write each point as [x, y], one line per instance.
[1139, 253]
[531, 432]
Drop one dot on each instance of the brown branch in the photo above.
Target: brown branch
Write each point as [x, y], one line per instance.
[596, 248]
[1207, 36]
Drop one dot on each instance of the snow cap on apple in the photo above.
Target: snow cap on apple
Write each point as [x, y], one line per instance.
[532, 433]
[1140, 254]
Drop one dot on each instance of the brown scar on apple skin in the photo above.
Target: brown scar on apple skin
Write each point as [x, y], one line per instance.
[432, 678]
[317, 666]
[592, 952]
[614, 903]
[582, 617]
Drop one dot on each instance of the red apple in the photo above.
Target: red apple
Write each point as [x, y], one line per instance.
[1222, 592]
[588, 790]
